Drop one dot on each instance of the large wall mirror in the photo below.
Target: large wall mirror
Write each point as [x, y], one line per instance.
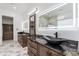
[59, 17]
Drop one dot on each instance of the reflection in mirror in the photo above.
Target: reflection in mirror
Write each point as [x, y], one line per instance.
[60, 17]
[46, 21]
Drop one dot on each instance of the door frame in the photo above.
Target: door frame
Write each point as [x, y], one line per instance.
[2, 25]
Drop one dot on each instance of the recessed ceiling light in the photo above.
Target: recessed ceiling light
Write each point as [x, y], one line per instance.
[14, 8]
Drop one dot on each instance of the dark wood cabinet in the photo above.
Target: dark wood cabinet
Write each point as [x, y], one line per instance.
[37, 49]
[43, 51]
[53, 53]
[32, 26]
[22, 39]
[32, 48]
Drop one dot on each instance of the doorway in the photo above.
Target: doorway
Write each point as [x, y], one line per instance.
[7, 25]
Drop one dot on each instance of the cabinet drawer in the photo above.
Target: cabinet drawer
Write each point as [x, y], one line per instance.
[34, 45]
[30, 53]
[34, 51]
[42, 51]
[53, 53]
[28, 41]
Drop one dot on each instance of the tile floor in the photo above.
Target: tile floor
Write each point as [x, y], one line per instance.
[11, 48]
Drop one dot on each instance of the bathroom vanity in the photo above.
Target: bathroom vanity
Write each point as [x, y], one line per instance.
[40, 47]
[36, 48]
[22, 38]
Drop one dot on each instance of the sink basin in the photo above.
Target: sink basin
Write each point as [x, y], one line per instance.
[54, 41]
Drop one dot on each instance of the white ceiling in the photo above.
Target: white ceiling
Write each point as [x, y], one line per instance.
[25, 7]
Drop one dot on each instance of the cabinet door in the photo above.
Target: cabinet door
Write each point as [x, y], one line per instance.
[32, 48]
[42, 51]
[53, 53]
[34, 45]
[30, 53]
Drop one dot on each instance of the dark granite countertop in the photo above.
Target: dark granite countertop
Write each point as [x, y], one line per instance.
[71, 46]
[44, 43]
[23, 33]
